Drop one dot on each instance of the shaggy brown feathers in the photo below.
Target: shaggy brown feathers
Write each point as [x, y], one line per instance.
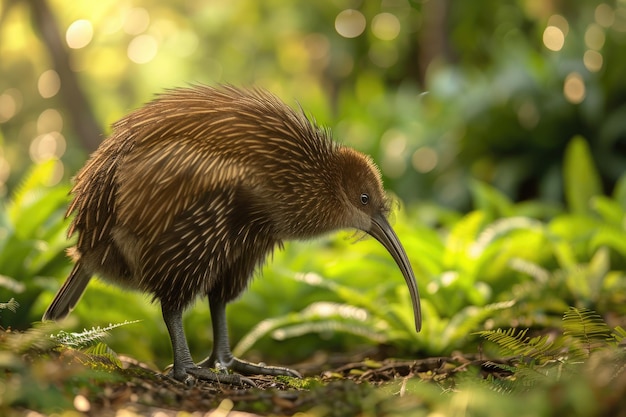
[191, 192]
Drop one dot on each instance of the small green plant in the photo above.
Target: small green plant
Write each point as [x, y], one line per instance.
[584, 334]
[32, 242]
[43, 367]
[90, 342]
[10, 305]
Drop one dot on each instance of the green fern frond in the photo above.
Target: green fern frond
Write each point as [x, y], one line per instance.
[87, 337]
[506, 339]
[103, 352]
[619, 335]
[11, 305]
[587, 327]
[540, 349]
[585, 324]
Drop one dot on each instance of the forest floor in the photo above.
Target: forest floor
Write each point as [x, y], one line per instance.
[39, 377]
[341, 391]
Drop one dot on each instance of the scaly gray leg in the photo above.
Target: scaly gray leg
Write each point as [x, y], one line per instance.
[184, 368]
[222, 357]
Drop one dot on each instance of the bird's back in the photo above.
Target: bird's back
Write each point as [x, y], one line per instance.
[236, 154]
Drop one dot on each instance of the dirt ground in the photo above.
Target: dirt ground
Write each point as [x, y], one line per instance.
[147, 392]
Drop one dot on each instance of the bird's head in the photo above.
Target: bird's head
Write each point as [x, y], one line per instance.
[365, 207]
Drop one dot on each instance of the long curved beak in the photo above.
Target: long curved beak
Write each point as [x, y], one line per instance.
[382, 231]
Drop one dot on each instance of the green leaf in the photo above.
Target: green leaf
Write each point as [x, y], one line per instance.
[34, 183]
[581, 178]
[490, 199]
[609, 209]
[102, 351]
[587, 328]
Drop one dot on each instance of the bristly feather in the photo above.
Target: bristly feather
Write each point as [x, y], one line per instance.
[191, 192]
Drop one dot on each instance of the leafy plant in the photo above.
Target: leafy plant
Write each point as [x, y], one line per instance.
[32, 242]
[584, 335]
[502, 263]
[44, 371]
[10, 305]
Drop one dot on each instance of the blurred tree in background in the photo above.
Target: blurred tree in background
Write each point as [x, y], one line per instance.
[439, 92]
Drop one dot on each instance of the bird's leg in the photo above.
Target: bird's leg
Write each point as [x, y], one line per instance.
[180, 350]
[184, 369]
[222, 357]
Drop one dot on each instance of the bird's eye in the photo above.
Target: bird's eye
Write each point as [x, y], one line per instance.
[365, 198]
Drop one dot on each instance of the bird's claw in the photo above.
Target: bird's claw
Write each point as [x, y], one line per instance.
[248, 368]
[206, 374]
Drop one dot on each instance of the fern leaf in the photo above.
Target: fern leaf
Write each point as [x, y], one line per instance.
[102, 351]
[87, 337]
[540, 349]
[619, 334]
[582, 323]
[11, 305]
[506, 339]
[587, 328]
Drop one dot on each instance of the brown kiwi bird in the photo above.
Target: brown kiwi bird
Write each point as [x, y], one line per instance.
[190, 194]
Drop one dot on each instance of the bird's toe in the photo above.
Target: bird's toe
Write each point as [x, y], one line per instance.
[206, 374]
[248, 368]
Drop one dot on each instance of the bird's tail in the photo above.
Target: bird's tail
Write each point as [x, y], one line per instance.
[68, 294]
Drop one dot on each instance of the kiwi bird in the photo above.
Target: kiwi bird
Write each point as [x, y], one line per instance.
[190, 194]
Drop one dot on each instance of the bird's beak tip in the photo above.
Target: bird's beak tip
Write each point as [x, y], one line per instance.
[383, 232]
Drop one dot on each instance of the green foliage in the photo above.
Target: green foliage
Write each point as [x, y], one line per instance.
[502, 263]
[32, 242]
[43, 371]
[549, 358]
[90, 342]
[582, 180]
[475, 93]
[10, 305]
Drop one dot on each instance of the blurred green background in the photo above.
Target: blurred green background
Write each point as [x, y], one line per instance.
[436, 91]
[468, 108]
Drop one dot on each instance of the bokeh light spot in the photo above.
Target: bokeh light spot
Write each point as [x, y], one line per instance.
[317, 45]
[350, 23]
[50, 120]
[8, 107]
[79, 34]
[142, 49]
[553, 38]
[574, 88]
[594, 37]
[386, 26]
[394, 144]
[604, 15]
[593, 60]
[48, 84]
[560, 22]
[136, 21]
[5, 171]
[47, 146]
[424, 159]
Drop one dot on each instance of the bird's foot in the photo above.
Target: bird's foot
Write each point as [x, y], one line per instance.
[248, 368]
[190, 375]
[206, 374]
